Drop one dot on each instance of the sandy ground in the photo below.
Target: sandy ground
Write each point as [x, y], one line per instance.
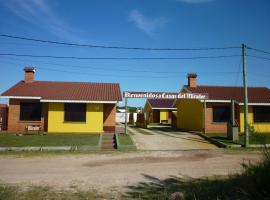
[167, 140]
[116, 171]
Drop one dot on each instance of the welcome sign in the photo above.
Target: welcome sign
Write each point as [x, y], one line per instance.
[164, 95]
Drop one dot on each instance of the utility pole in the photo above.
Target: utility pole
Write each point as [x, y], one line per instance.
[245, 95]
[126, 110]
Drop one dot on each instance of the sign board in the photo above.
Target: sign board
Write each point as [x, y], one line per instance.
[164, 95]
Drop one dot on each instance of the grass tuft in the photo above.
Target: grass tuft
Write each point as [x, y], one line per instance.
[252, 183]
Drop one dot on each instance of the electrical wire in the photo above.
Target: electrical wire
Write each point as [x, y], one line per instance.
[259, 57]
[119, 47]
[119, 58]
[259, 50]
[115, 69]
[114, 75]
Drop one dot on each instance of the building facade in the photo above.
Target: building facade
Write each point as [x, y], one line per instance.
[213, 114]
[159, 110]
[61, 106]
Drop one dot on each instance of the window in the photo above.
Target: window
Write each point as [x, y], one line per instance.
[30, 111]
[261, 113]
[75, 112]
[221, 114]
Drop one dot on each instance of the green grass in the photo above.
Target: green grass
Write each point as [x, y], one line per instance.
[51, 139]
[125, 139]
[252, 183]
[221, 137]
[9, 192]
[254, 138]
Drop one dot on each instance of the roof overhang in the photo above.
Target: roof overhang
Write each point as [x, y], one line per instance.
[19, 97]
[74, 101]
[239, 103]
[56, 100]
[216, 101]
[256, 104]
[164, 108]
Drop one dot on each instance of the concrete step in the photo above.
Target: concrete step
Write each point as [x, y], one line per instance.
[107, 142]
[107, 138]
[108, 145]
[107, 148]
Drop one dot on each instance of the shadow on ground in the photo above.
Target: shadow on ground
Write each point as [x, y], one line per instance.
[253, 183]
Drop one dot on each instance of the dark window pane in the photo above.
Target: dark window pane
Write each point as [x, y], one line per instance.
[261, 113]
[30, 111]
[75, 112]
[221, 114]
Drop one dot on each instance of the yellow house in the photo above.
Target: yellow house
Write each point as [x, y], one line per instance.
[51, 106]
[213, 114]
[159, 110]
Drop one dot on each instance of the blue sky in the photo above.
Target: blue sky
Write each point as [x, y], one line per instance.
[151, 23]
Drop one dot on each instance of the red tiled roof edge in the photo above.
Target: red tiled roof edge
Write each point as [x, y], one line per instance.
[255, 94]
[84, 91]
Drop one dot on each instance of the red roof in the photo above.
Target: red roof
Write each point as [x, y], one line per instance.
[161, 103]
[81, 91]
[255, 94]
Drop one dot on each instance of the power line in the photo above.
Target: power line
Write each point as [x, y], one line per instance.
[95, 74]
[238, 72]
[115, 69]
[114, 75]
[258, 50]
[259, 57]
[119, 58]
[119, 47]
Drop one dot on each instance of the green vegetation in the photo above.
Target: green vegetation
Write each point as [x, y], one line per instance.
[51, 139]
[124, 142]
[254, 138]
[125, 139]
[8, 192]
[252, 183]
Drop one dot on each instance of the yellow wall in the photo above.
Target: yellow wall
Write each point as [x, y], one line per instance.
[94, 119]
[163, 115]
[258, 127]
[147, 110]
[189, 114]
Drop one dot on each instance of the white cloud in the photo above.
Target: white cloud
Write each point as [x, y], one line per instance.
[40, 14]
[195, 1]
[145, 24]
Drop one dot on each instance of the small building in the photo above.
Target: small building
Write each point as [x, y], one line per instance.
[213, 114]
[159, 110]
[61, 106]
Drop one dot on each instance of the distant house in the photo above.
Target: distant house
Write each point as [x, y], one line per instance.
[214, 115]
[61, 106]
[159, 110]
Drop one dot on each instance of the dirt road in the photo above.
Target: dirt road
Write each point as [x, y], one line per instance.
[115, 171]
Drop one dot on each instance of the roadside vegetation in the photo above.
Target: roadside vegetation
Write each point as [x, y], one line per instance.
[254, 138]
[125, 139]
[252, 183]
[8, 192]
[51, 139]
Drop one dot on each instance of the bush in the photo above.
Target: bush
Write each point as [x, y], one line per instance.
[252, 183]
